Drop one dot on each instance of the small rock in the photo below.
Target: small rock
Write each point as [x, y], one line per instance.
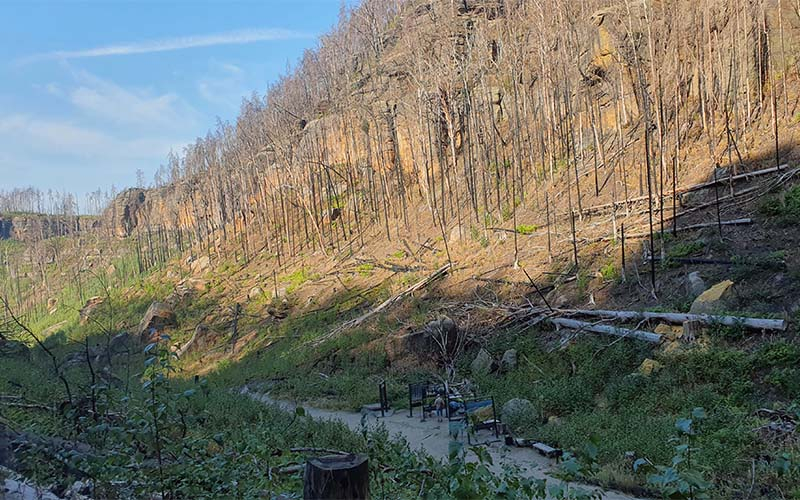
[649, 367]
[713, 299]
[509, 360]
[553, 420]
[670, 332]
[482, 364]
[456, 234]
[670, 346]
[255, 293]
[696, 284]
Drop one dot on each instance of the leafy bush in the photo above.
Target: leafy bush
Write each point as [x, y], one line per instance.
[365, 269]
[526, 229]
[686, 249]
[786, 209]
[680, 479]
[609, 272]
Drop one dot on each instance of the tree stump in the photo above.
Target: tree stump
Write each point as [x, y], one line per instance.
[691, 331]
[343, 477]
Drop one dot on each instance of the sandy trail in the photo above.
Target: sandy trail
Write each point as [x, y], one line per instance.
[432, 437]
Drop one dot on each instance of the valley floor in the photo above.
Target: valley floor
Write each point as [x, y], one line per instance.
[431, 437]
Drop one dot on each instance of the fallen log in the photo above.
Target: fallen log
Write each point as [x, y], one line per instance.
[725, 180]
[573, 324]
[734, 222]
[680, 318]
[694, 261]
[292, 469]
[687, 189]
[439, 273]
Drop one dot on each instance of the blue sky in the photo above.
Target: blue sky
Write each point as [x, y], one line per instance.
[91, 91]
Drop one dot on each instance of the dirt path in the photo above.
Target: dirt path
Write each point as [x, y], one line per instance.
[432, 437]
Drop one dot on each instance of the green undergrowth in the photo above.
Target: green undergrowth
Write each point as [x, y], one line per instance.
[589, 391]
[340, 372]
[784, 207]
[151, 433]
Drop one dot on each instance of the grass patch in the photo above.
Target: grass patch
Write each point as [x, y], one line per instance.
[365, 269]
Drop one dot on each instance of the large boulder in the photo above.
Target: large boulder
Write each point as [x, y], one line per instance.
[200, 264]
[696, 284]
[483, 363]
[519, 414]
[91, 305]
[158, 317]
[713, 300]
[509, 360]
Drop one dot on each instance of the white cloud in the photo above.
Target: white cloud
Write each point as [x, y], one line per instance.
[108, 101]
[225, 87]
[27, 135]
[236, 37]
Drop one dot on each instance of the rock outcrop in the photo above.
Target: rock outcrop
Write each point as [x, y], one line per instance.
[36, 227]
[124, 213]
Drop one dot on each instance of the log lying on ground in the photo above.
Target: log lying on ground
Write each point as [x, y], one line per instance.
[439, 273]
[735, 178]
[721, 181]
[734, 222]
[694, 261]
[606, 329]
[680, 318]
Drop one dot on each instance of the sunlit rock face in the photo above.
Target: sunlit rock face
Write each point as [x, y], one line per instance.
[36, 227]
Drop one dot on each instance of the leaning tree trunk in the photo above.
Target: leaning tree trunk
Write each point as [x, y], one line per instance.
[343, 477]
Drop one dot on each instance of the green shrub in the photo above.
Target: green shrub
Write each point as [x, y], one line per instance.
[786, 209]
[686, 249]
[526, 229]
[365, 269]
[609, 272]
[786, 381]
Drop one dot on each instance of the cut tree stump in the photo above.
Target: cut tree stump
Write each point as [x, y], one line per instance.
[343, 477]
[692, 329]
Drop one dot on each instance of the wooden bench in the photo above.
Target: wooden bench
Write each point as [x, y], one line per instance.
[547, 451]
